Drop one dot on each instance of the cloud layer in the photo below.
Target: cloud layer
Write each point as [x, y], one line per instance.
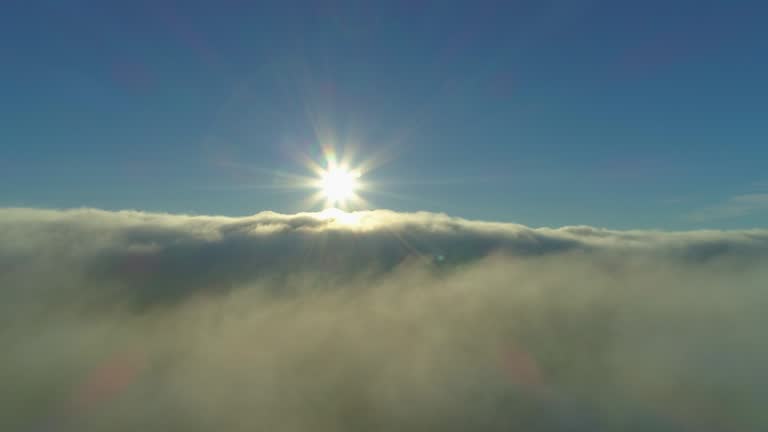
[375, 321]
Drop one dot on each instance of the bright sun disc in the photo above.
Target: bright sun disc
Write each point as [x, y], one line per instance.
[338, 184]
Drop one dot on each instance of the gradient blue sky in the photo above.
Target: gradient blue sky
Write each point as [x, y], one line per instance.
[641, 114]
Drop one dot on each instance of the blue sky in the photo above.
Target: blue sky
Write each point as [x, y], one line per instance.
[608, 113]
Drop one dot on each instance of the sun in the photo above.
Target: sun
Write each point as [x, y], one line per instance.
[338, 184]
[337, 180]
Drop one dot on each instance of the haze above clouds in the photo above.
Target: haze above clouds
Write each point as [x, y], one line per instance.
[375, 320]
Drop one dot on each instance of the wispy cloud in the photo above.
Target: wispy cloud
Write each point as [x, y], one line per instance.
[733, 207]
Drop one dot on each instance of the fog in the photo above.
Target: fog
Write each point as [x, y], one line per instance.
[125, 321]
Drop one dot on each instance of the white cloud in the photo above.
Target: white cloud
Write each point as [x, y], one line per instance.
[139, 321]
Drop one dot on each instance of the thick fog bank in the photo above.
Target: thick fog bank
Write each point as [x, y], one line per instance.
[125, 321]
